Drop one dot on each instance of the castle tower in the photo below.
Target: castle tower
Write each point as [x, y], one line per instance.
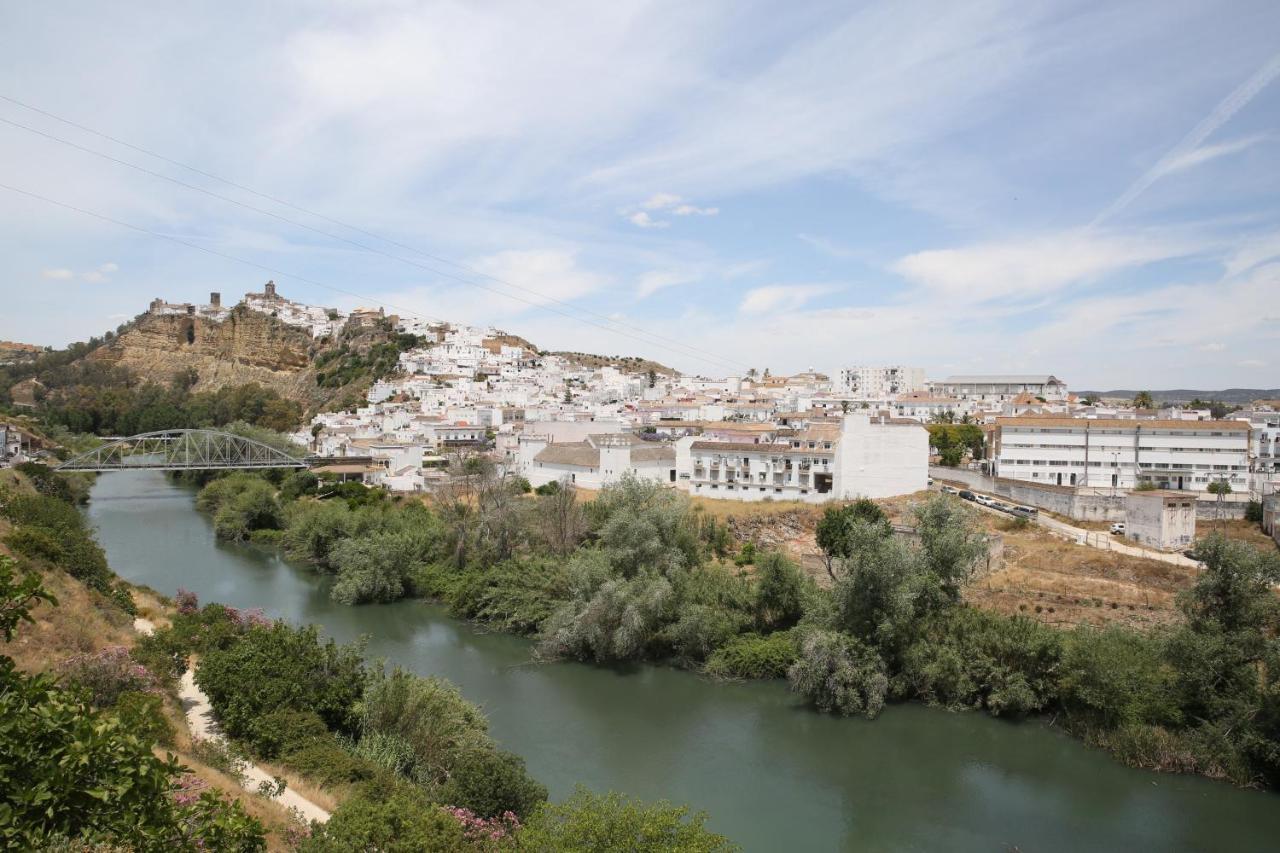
[215, 300]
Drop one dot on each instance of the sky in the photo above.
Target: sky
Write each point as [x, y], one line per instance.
[1085, 189]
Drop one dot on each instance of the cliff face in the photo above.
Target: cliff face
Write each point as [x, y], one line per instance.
[247, 347]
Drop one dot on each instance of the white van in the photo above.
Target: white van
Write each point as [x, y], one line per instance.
[1117, 528]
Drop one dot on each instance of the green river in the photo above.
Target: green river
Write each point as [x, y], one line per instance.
[771, 774]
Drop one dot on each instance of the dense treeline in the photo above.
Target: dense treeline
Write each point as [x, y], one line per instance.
[130, 408]
[639, 574]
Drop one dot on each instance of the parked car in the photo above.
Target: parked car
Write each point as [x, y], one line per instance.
[1117, 528]
[951, 490]
[1027, 511]
[983, 500]
[1192, 554]
[966, 494]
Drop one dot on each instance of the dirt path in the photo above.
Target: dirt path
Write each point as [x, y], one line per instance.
[195, 704]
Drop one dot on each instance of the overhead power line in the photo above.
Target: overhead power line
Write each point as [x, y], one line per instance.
[273, 270]
[687, 349]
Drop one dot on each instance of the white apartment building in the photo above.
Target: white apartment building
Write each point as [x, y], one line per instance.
[1115, 453]
[865, 382]
[1000, 387]
[859, 457]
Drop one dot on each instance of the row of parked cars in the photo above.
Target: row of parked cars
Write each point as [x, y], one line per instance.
[988, 501]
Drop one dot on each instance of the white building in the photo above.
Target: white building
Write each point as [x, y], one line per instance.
[1161, 519]
[998, 388]
[597, 461]
[864, 382]
[1116, 453]
[860, 456]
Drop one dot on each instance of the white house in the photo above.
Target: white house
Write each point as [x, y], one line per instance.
[866, 382]
[597, 461]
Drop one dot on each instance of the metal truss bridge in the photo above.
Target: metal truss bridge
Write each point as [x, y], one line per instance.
[182, 450]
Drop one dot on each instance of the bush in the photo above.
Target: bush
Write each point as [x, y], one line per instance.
[615, 824]
[490, 783]
[312, 528]
[282, 668]
[753, 656]
[325, 761]
[968, 658]
[298, 484]
[390, 819]
[430, 716]
[514, 595]
[285, 731]
[106, 674]
[378, 567]
[608, 618]
[1116, 677]
[839, 674]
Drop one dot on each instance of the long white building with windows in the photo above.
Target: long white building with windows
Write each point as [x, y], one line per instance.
[860, 456]
[1168, 454]
[1001, 387]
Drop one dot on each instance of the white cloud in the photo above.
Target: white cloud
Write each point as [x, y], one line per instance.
[651, 282]
[644, 220]
[1212, 347]
[692, 210]
[1252, 362]
[542, 275]
[822, 244]
[101, 274]
[58, 273]
[782, 297]
[1040, 264]
[1205, 153]
[660, 201]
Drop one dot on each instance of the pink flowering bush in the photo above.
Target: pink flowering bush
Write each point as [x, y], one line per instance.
[107, 674]
[187, 602]
[479, 829]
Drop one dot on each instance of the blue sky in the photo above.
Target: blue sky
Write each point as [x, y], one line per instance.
[1088, 189]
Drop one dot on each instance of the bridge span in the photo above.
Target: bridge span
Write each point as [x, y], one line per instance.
[183, 450]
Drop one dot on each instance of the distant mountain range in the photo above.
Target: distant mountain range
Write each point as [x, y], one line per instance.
[1184, 395]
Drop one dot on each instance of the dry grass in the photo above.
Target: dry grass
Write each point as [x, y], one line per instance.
[1244, 531]
[1062, 583]
[723, 509]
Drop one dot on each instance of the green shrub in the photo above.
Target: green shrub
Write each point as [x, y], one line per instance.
[964, 657]
[839, 674]
[285, 731]
[753, 656]
[782, 589]
[491, 782]
[389, 819]
[614, 824]
[429, 715]
[280, 668]
[325, 761]
[1116, 677]
[514, 595]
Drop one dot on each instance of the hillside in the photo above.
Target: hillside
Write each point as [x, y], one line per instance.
[1184, 395]
[628, 364]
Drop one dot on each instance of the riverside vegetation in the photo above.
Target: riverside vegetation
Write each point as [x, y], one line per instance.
[639, 574]
[409, 759]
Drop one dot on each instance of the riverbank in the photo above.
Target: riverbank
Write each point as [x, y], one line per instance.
[800, 780]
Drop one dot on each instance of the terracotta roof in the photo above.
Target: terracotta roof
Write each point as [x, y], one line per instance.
[1122, 423]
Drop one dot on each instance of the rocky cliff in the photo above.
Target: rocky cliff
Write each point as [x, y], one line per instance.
[247, 347]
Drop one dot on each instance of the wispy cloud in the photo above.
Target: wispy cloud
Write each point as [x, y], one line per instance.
[651, 282]
[58, 274]
[783, 297]
[1183, 154]
[1212, 347]
[642, 219]
[827, 247]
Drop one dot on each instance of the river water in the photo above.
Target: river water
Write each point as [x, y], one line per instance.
[771, 774]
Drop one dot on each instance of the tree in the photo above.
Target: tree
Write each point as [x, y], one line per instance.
[562, 519]
[653, 377]
[835, 528]
[781, 590]
[1143, 400]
